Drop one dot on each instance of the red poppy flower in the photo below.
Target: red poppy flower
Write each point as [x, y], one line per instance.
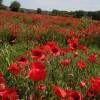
[93, 59]
[90, 92]
[75, 95]
[38, 54]
[8, 94]
[2, 81]
[41, 87]
[14, 69]
[73, 34]
[65, 62]
[38, 71]
[82, 47]
[95, 87]
[38, 65]
[82, 64]
[83, 84]
[68, 93]
[53, 48]
[59, 92]
[73, 43]
[22, 61]
[95, 82]
[55, 51]
[49, 45]
[37, 74]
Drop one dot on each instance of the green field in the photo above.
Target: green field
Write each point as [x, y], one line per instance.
[68, 47]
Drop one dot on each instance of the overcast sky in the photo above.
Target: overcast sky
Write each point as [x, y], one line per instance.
[70, 5]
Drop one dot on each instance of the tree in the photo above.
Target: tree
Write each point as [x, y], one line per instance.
[15, 6]
[2, 7]
[80, 14]
[1, 2]
[54, 12]
[39, 10]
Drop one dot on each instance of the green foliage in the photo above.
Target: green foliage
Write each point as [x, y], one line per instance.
[50, 36]
[54, 12]
[1, 2]
[94, 15]
[66, 77]
[86, 23]
[15, 6]
[2, 7]
[39, 10]
[5, 35]
[30, 35]
[80, 14]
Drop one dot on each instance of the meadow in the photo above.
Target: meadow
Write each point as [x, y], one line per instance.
[49, 57]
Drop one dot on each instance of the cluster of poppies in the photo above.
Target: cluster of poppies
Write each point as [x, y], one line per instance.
[32, 76]
[37, 70]
[34, 24]
[7, 93]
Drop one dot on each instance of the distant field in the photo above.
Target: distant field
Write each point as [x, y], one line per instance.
[49, 57]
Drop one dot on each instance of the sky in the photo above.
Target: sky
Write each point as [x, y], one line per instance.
[69, 5]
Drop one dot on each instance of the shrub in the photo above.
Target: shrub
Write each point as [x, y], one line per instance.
[1, 2]
[15, 6]
[39, 10]
[54, 12]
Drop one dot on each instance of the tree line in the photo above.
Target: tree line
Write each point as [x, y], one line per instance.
[16, 6]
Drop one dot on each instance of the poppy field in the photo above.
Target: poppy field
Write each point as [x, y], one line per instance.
[49, 57]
